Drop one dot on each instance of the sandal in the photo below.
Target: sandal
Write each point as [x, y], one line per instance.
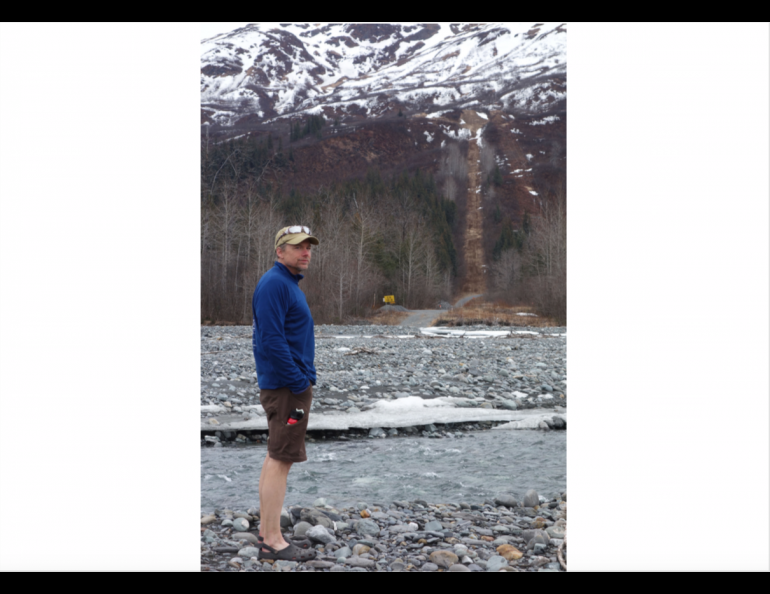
[290, 553]
[302, 542]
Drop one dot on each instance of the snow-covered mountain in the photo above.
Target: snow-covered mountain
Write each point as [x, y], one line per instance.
[260, 73]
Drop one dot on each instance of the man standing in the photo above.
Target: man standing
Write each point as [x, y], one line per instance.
[284, 351]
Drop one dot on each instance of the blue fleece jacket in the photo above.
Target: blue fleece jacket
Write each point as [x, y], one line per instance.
[282, 332]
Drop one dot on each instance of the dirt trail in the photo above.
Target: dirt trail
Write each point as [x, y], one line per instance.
[473, 248]
[423, 317]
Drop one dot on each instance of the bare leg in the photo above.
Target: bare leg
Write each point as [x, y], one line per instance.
[272, 490]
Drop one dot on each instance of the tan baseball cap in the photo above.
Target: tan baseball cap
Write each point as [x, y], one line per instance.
[294, 235]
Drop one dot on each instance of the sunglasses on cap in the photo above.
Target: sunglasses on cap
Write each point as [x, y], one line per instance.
[296, 229]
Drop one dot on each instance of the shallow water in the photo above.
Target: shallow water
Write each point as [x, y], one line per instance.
[471, 468]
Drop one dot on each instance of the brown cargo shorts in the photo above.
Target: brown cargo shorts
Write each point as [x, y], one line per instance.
[286, 442]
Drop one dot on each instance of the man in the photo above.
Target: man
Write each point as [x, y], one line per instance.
[284, 351]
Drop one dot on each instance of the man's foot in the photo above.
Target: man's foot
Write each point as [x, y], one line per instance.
[288, 553]
[303, 542]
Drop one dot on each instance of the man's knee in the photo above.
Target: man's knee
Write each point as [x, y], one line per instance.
[280, 464]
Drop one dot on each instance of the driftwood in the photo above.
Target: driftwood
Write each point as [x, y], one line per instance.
[360, 350]
[558, 552]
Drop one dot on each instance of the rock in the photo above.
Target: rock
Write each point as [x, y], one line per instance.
[320, 502]
[240, 524]
[398, 566]
[500, 529]
[236, 562]
[368, 527]
[205, 520]
[376, 432]
[227, 523]
[443, 558]
[301, 528]
[392, 432]
[496, 563]
[318, 564]
[531, 499]
[338, 568]
[342, 553]
[434, 525]
[543, 425]
[558, 423]
[248, 552]
[360, 549]
[316, 518]
[538, 522]
[401, 528]
[458, 567]
[285, 518]
[359, 562]
[245, 536]
[509, 552]
[474, 567]
[429, 567]
[320, 534]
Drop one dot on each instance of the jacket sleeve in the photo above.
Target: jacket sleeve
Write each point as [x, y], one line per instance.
[271, 310]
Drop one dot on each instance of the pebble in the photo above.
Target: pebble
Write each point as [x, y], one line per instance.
[249, 536]
[458, 567]
[301, 528]
[320, 534]
[343, 553]
[531, 499]
[444, 558]
[240, 524]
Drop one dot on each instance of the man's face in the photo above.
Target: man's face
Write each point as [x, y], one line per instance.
[295, 257]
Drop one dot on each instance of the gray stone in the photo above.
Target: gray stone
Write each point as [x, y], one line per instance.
[474, 567]
[338, 568]
[398, 566]
[227, 523]
[285, 518]
[301, 528]
[496, 562]
[316, 518]
[458, 567]
[342, 553]
[241, 524]
[506, 500]
[556, 531]
[285, 564]
[429, 567]
[531, 499]
[245, 536]
[392, 432]
[368, 527]
[500, 529]
[320, 534]
[248, 552]
[558, 423]
[318, 564]
[434, 525]
[320, 502]
[376, 432]
[359, 562]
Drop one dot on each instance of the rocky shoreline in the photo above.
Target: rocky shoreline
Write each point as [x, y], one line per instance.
[500, 535]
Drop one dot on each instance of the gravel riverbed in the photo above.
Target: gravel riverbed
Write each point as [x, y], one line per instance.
[361, 367]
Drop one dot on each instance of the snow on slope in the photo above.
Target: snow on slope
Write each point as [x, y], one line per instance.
[270, 70]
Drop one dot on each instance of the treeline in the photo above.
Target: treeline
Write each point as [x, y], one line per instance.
[530, 261]
[378, 236]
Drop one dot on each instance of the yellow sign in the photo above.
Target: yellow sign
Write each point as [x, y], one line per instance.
[389, 299]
